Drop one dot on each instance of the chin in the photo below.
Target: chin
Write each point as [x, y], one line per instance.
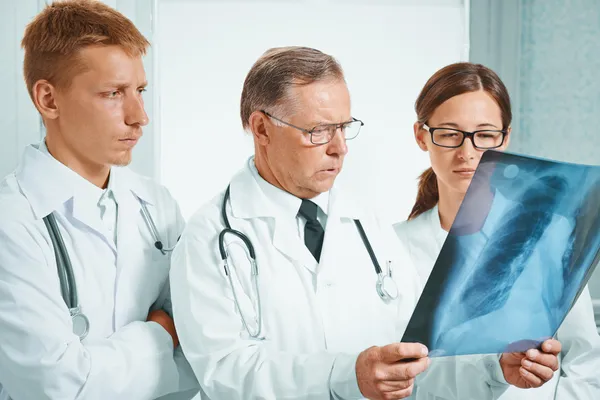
[322, 187]
[462, 187]
[121, 161]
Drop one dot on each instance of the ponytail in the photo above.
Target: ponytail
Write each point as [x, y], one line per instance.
[428, 194]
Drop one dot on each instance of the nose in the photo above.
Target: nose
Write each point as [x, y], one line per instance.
[135, 114]
[467, 150]
[337, 145]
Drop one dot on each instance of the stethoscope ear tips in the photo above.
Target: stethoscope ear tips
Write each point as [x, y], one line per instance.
[158, 244]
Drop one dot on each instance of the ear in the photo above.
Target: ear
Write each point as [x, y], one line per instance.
[260, 126]
[44, 99]
[420, 133]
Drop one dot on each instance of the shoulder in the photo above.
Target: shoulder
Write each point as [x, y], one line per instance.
[14, 206]
[20, 231]
[146, 188]
[414, 230]
[207, 220]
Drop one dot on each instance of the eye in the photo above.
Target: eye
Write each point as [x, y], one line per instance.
[141, 90]
[113, 94]
[320, 129]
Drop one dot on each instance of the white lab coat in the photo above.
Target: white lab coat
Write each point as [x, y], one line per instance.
[580, 359]
[123, 356]
[317, 317]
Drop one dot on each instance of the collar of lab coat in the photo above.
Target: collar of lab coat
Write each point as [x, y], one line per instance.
[251, 199]
[48, 184]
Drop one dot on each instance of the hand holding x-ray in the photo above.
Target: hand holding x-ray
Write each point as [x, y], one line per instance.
[533, 368]
[389, 372]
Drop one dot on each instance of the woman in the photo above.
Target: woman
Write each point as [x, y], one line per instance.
[470, 97]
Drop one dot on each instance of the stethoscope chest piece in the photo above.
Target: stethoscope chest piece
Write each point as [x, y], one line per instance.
[386, 287]
[81, 323]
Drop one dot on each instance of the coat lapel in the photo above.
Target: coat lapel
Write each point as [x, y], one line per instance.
[288, 242]
[341, 209]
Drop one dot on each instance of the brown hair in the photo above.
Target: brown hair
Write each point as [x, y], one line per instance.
[448, 82]
[270, 79]
[53, 39]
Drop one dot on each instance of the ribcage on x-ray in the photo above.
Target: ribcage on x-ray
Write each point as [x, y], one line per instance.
[504, 258]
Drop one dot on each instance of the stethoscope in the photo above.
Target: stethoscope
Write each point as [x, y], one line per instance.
[386, 287]
[68, 288]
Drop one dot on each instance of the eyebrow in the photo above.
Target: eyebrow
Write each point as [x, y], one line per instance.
[318, 123]
[121, 85]
[454, 125]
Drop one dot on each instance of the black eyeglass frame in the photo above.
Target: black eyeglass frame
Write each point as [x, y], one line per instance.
[470, 135]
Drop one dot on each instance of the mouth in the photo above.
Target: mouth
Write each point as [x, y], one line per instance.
[464, 171]
[129, 141]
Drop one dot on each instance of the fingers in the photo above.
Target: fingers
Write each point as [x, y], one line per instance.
[403, 371]
[164, 320]
[552, 346]
[392, 386]
[398, 394]
[548, 360]
[533, 378]
[535, 372]
[399, 351]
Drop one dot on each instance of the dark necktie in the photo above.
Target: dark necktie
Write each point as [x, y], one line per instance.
[313, 231]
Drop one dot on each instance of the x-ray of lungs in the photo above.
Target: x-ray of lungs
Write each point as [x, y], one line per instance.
[524, 244]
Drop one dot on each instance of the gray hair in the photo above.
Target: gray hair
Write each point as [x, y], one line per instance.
[270, 80]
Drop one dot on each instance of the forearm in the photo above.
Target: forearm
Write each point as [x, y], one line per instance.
[257, 372]
[580, 364]
[136, 362]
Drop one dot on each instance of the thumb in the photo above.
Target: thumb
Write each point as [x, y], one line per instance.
[395, 352]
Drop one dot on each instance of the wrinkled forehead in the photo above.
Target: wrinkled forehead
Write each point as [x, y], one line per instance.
[320, 102]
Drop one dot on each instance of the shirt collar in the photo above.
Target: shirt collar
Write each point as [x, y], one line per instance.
[47, 183]
[124, 182]
[290, 203]
[322, 200]
[438, 232]
[282, 202]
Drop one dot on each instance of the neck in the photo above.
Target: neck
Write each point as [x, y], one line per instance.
[448, 205]
[479, 204]
[262, 166]
[261, 162]
[97, 174]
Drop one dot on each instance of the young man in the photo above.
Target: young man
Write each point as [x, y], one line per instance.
[83, 69]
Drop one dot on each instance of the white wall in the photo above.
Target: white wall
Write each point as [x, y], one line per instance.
[19, 120]
[388, 49]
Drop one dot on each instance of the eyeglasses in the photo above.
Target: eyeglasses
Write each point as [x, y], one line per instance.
[324, 133]
[453, 138]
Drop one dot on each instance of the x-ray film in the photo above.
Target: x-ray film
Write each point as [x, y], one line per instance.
[520, 251]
